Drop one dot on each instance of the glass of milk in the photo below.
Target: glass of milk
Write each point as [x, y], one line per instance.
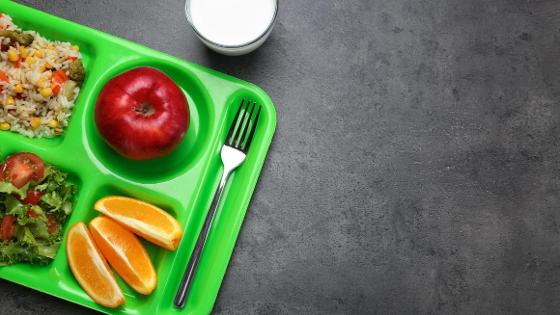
[232, 27]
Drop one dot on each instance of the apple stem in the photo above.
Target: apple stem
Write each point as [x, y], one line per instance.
[145, 109]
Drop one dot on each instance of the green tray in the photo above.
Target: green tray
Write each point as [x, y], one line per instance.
[183, 183]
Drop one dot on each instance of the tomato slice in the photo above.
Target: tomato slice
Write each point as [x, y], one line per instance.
[33, 197]
[7, 227]
[53, 226]
[32, 214]
[22, 167]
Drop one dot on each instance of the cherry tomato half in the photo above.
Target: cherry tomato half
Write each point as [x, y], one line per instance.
[20, 168]
[33, 197]
[32, 214]
[7, 227]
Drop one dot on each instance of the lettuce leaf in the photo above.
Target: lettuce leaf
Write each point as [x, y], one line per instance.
[58, 194]
[14, 252]
[13, 206]
[8, 188]
[48, 250]
[24, 236]
[38, 228]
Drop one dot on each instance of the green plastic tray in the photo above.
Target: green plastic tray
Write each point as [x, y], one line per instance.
[183, 183]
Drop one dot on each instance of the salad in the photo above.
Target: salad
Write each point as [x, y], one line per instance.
[35, 201]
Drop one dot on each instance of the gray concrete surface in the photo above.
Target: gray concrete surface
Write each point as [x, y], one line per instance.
[416, 165]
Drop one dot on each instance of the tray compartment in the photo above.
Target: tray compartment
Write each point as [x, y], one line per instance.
[87, 51]
[59, 270]
[32, 274]
[185, 155]
[228, 217]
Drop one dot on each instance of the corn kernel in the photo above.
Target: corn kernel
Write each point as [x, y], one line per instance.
[42, 68]
[10, 100]
[53, 124]
[23, 52]
[30, 60]
[38, 53]
[48, 65]
[76, 48]
[13, 55]
[46, 92]
[35, 122]
[41, 82]
[51, 47]
[18, 88]
[5, 126]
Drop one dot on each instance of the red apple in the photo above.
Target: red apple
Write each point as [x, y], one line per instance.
[142, 114]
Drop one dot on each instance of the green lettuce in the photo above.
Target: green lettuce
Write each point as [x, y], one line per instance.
[14, 252]
[58, 194]
[8, 188]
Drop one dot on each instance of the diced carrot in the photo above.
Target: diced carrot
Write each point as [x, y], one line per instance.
[72, 58]
[4, 77]
[18, 63]
[56, 90]
[59, 77]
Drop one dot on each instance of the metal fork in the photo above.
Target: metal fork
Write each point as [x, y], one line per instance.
[233, 154]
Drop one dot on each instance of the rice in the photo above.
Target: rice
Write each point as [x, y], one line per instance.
[33, 101]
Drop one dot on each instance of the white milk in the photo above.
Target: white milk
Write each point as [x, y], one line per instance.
[232, 22]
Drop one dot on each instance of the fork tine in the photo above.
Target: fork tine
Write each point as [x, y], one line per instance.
[239, 130]
[230, 137]
[241, 143]
[253, 127]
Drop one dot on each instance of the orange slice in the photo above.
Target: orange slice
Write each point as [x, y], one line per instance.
[91, 269]
[125, 253]
[142, 218]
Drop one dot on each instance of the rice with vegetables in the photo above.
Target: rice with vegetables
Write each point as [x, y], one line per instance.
[39, 81]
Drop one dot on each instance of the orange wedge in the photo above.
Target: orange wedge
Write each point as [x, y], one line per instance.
[91, 269]
[144, 219]
[125, 254]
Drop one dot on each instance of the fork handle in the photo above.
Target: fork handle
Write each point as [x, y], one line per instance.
[186, 282]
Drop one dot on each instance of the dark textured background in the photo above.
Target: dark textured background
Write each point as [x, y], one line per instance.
[415, 167]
